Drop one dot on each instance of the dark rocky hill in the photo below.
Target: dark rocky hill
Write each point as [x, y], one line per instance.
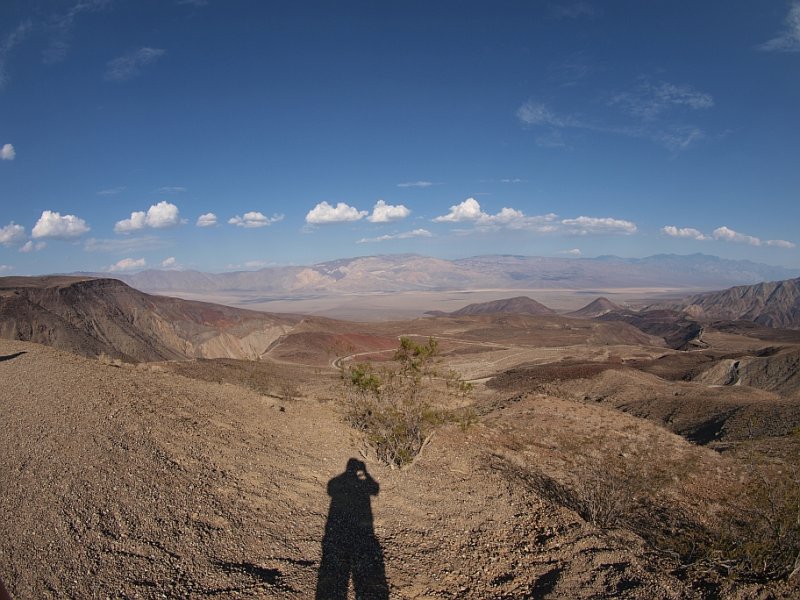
[773, 304]
[105, 316]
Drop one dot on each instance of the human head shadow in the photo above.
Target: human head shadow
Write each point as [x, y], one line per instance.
[350, 548]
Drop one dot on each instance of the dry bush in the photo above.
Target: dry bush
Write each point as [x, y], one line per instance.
[756, 536]
[394, 407]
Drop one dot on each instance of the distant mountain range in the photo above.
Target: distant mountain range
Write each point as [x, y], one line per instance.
[409, 272]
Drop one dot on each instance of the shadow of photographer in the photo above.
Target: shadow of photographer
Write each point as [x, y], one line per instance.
[350, 548]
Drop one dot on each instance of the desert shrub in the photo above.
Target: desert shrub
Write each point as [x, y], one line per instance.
[606, 497]
[394, 406]
[757, 535]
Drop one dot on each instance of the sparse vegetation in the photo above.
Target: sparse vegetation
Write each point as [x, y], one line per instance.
[395, 406]
[756, 536]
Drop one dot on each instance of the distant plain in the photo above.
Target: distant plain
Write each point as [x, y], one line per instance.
[382, 306]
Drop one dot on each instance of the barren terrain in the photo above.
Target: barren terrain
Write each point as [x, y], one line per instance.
[591, 460]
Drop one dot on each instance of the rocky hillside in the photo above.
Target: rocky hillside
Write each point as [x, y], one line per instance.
[105, 316]
[774, 304]
[133, 482]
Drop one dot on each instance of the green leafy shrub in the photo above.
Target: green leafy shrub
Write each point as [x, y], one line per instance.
[394, 407]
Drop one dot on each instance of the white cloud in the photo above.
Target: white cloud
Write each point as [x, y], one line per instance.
[416, 233]
[787, 40]
[169, 263]
[128, 264]
[111, 191]
[648, 101]
[130, 65]
[598, 225]
[513, 180]
[53, 225]
[29, 246]
[7, 152]
[249, 264]
[253, 219]
[207, 220]
[384, 213]
[12, 234]
[59, 27]
[4, 268]
[325, 213]
[468, 210]
[417, 184]
[536, 113]
[158, 216]
[125, 245]
[162, 215]
[171, 189]
[571, 252]
[649, 108]
[12, 40]
[684, 232]
[729, 235]
[135, 223]
[781, 244]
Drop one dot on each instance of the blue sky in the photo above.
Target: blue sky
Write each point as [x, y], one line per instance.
[217, 135]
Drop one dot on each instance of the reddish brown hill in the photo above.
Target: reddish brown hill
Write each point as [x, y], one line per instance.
[105, 316]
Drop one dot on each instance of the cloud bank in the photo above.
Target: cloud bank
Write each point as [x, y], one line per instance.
[723, 234]
[470, 211]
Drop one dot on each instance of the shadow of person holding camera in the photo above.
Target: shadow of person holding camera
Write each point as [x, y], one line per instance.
[350, 548]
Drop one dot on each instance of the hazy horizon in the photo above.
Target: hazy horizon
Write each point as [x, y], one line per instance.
[219, 136]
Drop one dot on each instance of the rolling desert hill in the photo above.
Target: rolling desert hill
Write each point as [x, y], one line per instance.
[409, 272]
[774, 304]
[105, 316]
[519, 305]
[596, 308]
